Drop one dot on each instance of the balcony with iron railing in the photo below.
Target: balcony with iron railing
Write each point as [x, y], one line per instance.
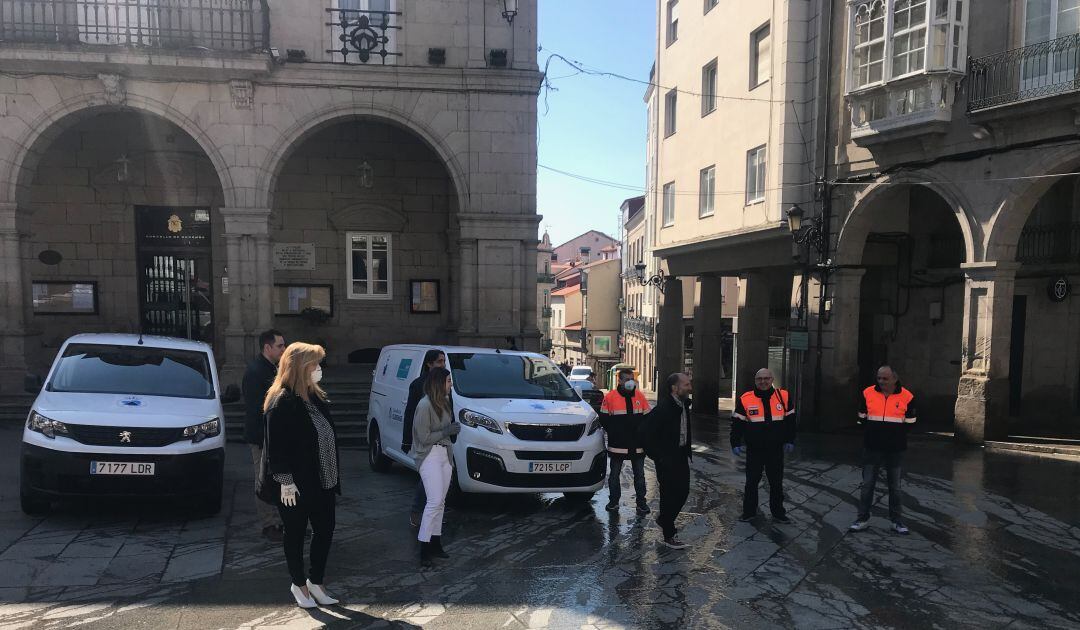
[638, 326]
[1030, 73]
[360, 36]
[545, 312]
[545, 278]
[203, 25]
[1049, 244]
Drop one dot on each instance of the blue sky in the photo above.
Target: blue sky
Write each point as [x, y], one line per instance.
[593, 126]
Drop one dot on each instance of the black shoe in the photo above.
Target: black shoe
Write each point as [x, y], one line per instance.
[436, 548]
[675, 543]
[747, 517]
[643, 509]
[425, 555]
[781, 519]
[612, 506]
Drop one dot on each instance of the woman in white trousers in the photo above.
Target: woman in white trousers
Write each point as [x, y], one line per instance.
[433, 426]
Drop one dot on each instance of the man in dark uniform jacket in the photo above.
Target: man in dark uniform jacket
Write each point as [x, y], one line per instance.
[258, 377]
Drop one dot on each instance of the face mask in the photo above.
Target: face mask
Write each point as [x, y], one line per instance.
[316, 376]
[630, 385]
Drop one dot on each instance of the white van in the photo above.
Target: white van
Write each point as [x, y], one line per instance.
[524, 428]
[125, 415]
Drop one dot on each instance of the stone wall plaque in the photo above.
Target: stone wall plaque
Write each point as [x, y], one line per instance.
[294, 256]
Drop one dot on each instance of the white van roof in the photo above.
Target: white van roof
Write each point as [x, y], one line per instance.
[461, 349]
[151, 341]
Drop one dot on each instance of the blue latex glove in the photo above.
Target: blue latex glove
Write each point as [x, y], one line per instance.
[738, 451]
[789, 448]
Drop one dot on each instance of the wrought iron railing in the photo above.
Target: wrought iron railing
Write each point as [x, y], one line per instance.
[1048, 244]
[1024, 74]
[224, 25]
[359, 36]
[638, 326]
[545, 278]
[545, 312]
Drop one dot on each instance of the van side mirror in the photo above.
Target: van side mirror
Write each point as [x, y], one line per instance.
[33, 383]
[231, 394]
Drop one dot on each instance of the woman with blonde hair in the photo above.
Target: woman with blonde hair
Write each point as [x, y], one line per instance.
[433, 426]
[302, 457]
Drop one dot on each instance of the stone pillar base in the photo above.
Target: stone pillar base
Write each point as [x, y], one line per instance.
[982, 406]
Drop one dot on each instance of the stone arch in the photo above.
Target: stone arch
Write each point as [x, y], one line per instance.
[1020, 199]
[42, 131]
[289, 141]
[859, 222]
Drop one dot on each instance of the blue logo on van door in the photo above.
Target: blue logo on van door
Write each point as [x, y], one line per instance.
[403, 369]
[131, 402]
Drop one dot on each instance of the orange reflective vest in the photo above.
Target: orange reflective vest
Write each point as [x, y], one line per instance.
[622, 431]
[892, 408]
[752, 406]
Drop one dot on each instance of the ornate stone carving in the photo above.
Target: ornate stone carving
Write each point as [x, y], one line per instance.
[375, 216]
[243, 93]
[115, 94]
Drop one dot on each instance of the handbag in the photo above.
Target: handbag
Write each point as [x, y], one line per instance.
[266, 488]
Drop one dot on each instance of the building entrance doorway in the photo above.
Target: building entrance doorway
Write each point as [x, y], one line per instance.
[176, 297]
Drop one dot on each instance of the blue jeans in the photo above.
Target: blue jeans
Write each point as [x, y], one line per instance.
[637, 464]
[873, 462]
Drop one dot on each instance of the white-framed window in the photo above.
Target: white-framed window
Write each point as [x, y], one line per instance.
[892, 39]
[669, 204]
[868, 38]
[755, 175]
[369, 266]
[908, 37]
[710, 5]
[760, 56]
[671, 101]
[708, 88]
[672, 21]
[707, 192]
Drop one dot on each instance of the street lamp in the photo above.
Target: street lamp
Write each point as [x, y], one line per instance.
[510, 9]
[813, 233]
[657, 280]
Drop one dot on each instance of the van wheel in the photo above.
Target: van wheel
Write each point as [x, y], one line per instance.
[578, 497]
[33, 504]
[378, 461]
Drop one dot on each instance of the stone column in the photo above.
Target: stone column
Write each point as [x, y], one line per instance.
[708, 317]
[247, 251]
[530, 327]
[840, 386]
[752, 338]
[982, 399]
[467, 276]
[669, 332]
[12, 321]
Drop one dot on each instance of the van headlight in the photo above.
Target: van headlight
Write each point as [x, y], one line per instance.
[46, 426]
[200, 432]
[472, 419]
[594, 426]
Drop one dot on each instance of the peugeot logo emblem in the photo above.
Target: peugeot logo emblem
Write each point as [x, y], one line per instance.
[125, 437]
[549, 433]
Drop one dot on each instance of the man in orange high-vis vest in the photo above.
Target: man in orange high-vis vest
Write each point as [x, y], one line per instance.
[620, 415]
[887, 412]
[763, 426]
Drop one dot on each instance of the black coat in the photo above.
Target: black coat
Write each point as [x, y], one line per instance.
[416, 392]
[293, 442]
[258, 377]
[660, 430]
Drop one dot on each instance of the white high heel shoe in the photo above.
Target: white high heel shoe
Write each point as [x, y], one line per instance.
[302, 600]
[319, 595]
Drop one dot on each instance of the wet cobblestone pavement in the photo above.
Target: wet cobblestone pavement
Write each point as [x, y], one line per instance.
[993, 544]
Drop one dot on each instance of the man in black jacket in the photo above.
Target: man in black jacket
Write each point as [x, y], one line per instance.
[258, 377]
[763, 427]
[432, 359]
[667, 439]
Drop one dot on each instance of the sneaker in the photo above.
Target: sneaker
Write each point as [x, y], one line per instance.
[747, 517]
[900, 528]
[781, 519]
[858, 526]
[612, 507]
[643, 509]
[675, 543]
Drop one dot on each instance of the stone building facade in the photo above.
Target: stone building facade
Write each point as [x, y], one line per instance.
[211, 182]
[954, 213]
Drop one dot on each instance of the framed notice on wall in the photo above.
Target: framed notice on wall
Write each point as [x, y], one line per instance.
[424, 296]
[65, 298]
[293, 299]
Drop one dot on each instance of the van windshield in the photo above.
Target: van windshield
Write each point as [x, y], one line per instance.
[106, 369]
[509, 376]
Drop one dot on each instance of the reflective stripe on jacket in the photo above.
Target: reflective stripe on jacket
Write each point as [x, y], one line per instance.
[621, 423]
[895, 408]
[752, 406]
